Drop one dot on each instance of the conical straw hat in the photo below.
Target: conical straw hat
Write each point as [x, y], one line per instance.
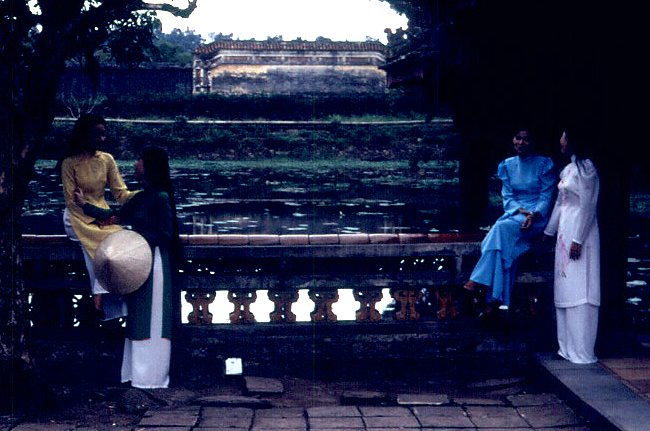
[123, 262]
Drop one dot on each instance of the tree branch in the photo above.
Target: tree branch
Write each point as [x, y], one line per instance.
[166, 7]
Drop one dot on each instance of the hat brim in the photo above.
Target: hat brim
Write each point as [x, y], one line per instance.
[123, 262]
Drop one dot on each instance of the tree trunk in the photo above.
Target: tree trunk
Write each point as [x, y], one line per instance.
[27, 124]
[15, 360]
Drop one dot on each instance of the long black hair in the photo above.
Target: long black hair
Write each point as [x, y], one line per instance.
[579, 147]
[158, 178]
[80, 140]
[156, 169]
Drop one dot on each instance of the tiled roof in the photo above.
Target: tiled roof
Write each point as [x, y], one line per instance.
[214, 47]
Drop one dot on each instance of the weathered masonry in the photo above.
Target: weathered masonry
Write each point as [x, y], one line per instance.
[296, 67]
[239, 273]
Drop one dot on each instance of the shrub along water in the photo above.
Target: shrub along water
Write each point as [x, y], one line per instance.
[396, 103]
[182, 139]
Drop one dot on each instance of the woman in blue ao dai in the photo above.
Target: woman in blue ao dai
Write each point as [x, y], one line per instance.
[527, 190]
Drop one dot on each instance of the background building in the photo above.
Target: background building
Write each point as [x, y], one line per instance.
[296, 67]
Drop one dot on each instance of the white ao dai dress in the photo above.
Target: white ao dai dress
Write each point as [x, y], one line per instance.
[576, 282]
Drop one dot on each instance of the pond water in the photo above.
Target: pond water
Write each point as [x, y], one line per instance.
[370, 198]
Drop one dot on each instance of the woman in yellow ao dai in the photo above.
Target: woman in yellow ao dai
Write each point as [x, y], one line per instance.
[87, 168]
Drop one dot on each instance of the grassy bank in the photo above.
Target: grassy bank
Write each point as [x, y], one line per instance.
[236, 141]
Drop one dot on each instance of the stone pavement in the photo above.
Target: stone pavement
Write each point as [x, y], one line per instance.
[521, 412]
[610, 395]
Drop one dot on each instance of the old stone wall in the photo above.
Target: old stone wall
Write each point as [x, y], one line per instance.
[278, 79]
[241, 68]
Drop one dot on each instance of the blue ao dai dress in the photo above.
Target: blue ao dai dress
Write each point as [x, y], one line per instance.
[527, 183]
[577, 282]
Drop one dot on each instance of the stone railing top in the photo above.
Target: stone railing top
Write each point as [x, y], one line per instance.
[292, 240]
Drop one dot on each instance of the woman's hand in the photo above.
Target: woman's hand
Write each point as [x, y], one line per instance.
[530, 218]
[109, 221]
[575, 251]
[79, 197]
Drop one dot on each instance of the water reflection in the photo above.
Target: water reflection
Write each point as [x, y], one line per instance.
[384, 199]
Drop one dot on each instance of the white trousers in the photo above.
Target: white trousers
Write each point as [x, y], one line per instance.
[577, 328]
[145, 363]
[113, 305]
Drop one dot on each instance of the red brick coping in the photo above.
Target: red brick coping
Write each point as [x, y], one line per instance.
[266, 240]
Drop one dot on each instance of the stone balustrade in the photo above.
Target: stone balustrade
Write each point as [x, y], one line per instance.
[420, 272]
[420, 276]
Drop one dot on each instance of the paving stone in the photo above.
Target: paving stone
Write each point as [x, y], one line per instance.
[34, 426]
[340, 429]
[495, 417]
[533, 399]
[263, 386]
[642, 386]
[277, 429]
[633, 373]
[333, 411]
[442, 416]
[164, 428]
[113, 428]
[232, 401]
[374, 429]
[225, 422]
[336, 423]
[279, 423]
[214, 429]
[232, 412]
[366, 398]
[170, 396]
[394, 422]
[497, 383]
[384, 411]
[169, 418]
[580, 428]
[626, 362]
[549, 416]
[505, 392]
[422, 399]
[288, 412]
[467, 401]
[441, 429]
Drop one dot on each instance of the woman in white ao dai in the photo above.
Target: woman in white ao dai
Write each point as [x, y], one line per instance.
[577, 257]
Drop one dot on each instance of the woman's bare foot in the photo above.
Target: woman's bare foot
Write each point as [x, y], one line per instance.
[97, 299]
[470, 285]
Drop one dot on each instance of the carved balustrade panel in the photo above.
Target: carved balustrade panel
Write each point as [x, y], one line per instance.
[446, 303]
[200, 302]
[283, 300]
[368, 300]
[323, 301]
[406, 299]
[242, 302]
